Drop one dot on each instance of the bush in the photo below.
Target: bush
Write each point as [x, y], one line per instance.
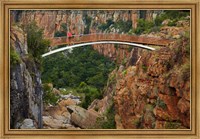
[49, 97]
[63, 31]
[88, 23]
[144, 67]
[143, 26]
[123, 26]
[110, 122]
[172, 23]
[130, 48]
[91, 93]
[64, 26]
[14, 58]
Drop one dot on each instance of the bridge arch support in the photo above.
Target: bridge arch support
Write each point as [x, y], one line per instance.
[99, 42]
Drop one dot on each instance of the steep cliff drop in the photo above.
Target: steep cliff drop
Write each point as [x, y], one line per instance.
[25, 84]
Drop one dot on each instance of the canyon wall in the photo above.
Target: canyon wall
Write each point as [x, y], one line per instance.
[25, 83]
[84, 22]
[153, 92]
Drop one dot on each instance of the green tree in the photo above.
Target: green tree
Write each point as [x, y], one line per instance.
[37, 45]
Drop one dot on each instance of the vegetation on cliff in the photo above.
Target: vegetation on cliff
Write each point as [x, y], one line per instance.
[14, 58]
[122, 26]
[37, 44]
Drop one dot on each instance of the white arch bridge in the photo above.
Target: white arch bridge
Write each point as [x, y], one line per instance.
[99, 42]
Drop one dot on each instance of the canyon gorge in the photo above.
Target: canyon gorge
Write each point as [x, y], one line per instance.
[143, 89]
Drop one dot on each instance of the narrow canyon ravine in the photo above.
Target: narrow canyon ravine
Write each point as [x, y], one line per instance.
[102, 86]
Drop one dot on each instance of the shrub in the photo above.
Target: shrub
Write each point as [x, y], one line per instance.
[91, 93]
[64, 26]
[110, 122]
[130, 48]
[88, 20]
[116, 46]
[172, 23]
[144, 67]
[49, 97]
[14, 58]
[143, 26]
[123, 26]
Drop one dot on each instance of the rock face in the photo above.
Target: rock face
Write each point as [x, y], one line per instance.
[155, 93]
[152, 90]
[25, 83]
[76, 21]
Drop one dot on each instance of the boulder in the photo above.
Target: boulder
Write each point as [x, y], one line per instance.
[27, 124]
[50, 122]
[82, 117]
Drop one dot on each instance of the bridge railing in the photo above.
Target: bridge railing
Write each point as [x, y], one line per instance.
[84, 38]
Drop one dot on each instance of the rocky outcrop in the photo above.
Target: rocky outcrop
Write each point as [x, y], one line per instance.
[152, 90]
[86, 119]
[58, 117]
[155, 93]
[68, 115]
[25, 82]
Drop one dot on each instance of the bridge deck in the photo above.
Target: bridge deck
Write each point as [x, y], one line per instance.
[77, 39]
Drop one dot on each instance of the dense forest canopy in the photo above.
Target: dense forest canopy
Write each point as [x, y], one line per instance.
[70, 68]
[82, 69]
